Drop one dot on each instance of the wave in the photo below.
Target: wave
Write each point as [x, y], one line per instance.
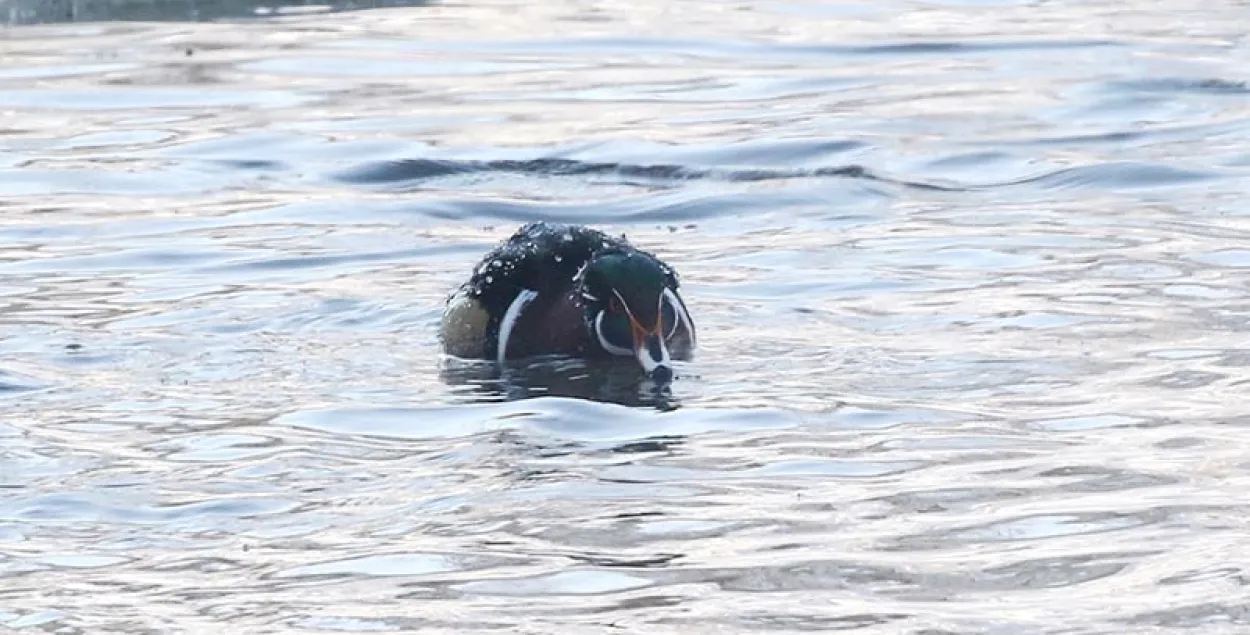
[413, 171]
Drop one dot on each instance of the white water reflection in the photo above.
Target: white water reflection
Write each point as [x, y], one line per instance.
[970, 280]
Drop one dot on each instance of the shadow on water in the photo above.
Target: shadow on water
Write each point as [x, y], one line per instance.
[58, 11]
[610, 382]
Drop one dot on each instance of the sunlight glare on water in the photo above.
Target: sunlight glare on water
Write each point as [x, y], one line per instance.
[971, 282]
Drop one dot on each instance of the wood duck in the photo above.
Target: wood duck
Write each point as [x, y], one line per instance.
[570, 290]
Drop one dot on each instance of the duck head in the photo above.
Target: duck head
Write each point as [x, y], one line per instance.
[632, 308]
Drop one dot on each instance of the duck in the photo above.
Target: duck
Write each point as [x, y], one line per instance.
[570, 290]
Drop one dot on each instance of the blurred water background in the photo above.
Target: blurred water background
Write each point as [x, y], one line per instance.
[972, 280]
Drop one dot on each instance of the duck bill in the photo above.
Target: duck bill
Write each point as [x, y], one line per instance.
[652, 354]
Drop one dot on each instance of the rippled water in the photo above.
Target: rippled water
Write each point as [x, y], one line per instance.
[972, 280]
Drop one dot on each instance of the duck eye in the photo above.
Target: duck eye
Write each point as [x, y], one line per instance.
[614, 305]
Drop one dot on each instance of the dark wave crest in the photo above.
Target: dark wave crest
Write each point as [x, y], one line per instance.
[406, 172]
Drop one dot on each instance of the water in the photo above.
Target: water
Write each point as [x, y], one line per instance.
[971, 277]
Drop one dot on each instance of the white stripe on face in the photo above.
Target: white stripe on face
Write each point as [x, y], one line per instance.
[650, 360]
[509, 321]
[682, 315]
[603, 341]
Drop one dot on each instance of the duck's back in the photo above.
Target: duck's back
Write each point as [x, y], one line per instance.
[540, 257]
[541, 260]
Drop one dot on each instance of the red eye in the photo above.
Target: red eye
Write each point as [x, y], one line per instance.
[615, 306]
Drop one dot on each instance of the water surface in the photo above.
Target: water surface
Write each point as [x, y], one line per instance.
[971, 280]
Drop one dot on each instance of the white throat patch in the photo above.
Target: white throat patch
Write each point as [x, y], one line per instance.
[650, 363]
